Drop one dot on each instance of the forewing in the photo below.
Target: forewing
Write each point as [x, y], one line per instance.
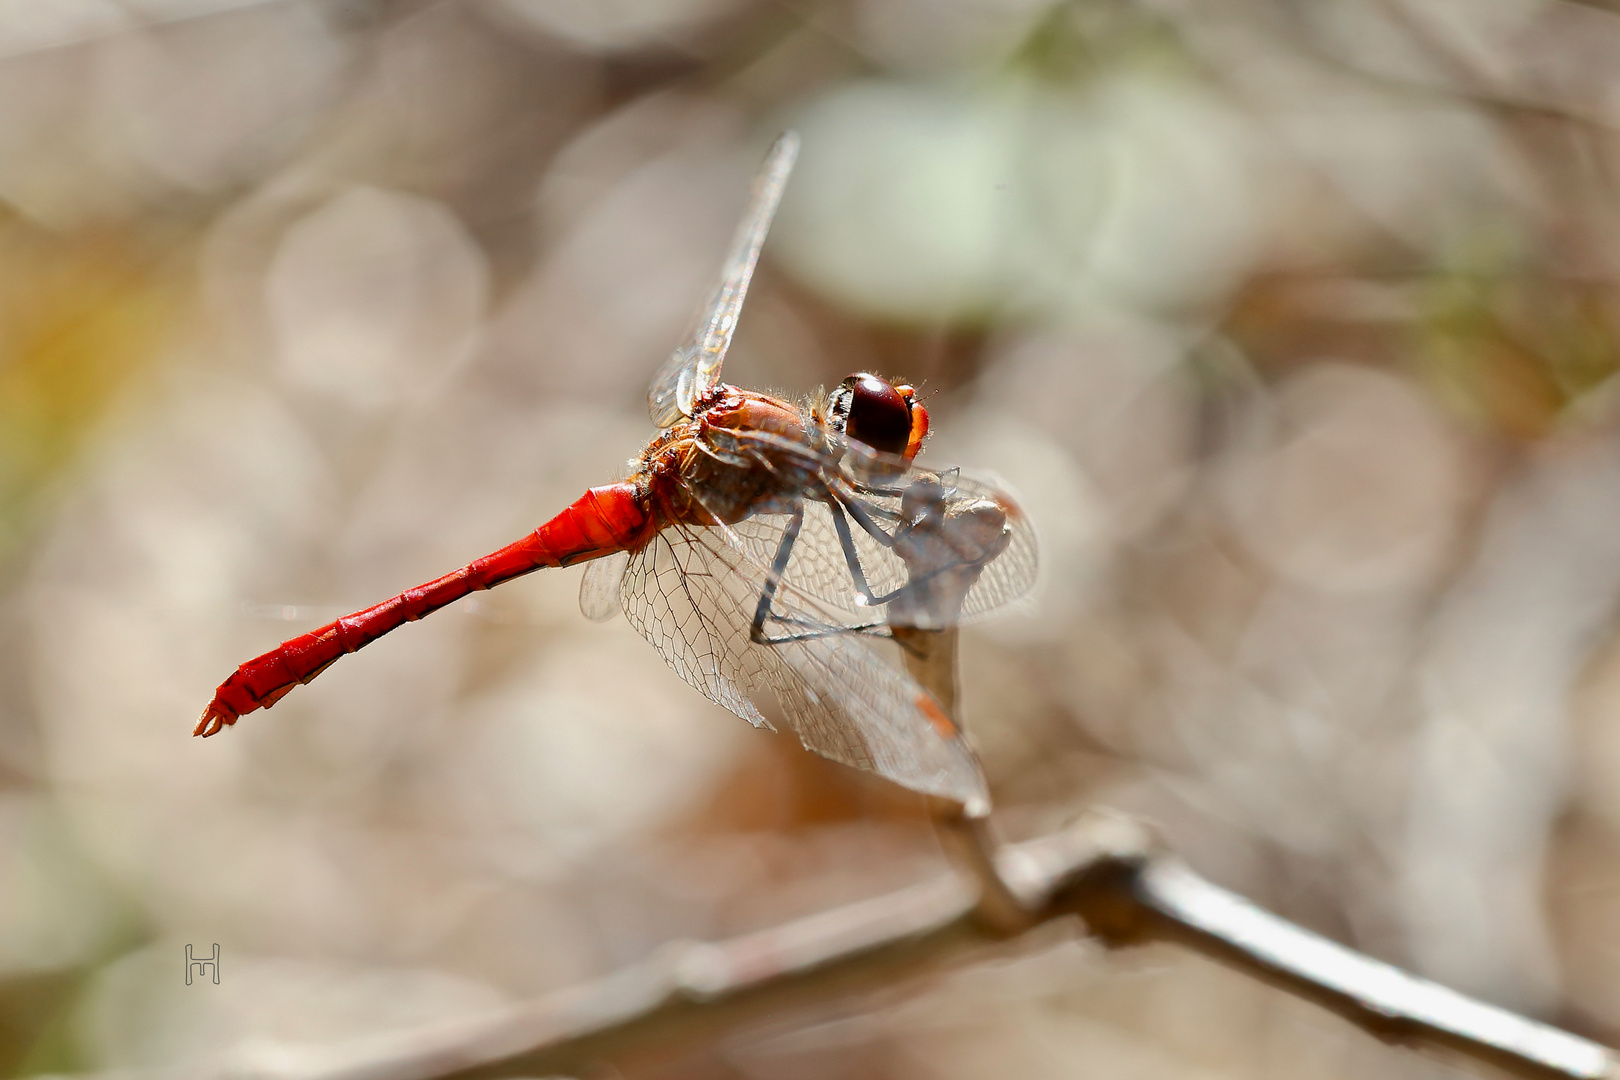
[820, 565]
[695, 366]
[1011, 574]
[692, 593]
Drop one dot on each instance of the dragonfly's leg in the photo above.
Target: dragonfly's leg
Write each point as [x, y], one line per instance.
[784, 551]
[876, 489]
[871, 629]
[947, 481]
[762, 611]
[882, 513]
[847, 541]
[851, 557]
[861, 516]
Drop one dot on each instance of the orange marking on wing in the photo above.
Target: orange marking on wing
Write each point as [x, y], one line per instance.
[943, 724]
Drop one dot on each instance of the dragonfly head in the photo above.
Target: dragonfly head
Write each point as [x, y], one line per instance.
[883, 415]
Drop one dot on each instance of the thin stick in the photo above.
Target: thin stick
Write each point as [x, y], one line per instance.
[931, 660]
[1142, 898]
[690, 991]
[1105, 868]
[1161, 898]
[945, 548]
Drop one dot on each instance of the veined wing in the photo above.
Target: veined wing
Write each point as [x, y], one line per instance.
[692, 593]
[973, 552]
[599, 588]
[818, 566]
[995, 562]
[1011, 573]
[695, 366]
[689, 604]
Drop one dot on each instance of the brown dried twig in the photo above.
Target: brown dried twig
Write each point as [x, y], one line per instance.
[1105, 869]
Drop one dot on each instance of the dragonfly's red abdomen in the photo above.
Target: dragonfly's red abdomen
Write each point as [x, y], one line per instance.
[605, 519]
[600, 522]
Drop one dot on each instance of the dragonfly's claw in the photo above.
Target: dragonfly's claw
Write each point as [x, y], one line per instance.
[215, 719]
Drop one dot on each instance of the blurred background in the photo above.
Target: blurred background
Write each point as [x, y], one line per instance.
[1295, 327]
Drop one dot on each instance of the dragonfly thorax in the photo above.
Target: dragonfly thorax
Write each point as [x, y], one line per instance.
[741, 455]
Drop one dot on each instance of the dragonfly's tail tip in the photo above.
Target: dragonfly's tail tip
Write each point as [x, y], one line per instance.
[214, 720]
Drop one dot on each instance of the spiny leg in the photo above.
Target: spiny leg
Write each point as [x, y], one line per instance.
[846, 540]
[874, 629]
[947, 481]
[923, 524]
[852, 558]
[773, 580]
[859, 512]
[784, 552]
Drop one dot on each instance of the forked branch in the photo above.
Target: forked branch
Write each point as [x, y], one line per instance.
[1105, 869]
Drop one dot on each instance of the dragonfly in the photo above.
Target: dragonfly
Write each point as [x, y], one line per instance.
[757, 544]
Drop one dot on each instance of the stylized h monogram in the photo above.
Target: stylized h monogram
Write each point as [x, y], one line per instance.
[202, 964]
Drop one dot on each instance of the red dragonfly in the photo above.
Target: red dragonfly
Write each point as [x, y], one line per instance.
[757, 544]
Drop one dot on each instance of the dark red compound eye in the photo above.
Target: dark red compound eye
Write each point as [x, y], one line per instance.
[877, 415]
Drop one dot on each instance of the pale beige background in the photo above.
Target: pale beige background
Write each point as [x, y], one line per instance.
[1294, 325]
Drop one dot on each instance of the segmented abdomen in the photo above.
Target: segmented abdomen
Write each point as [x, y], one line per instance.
[602, 521]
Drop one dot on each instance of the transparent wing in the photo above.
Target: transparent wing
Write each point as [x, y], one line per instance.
[1011, 573]
[692, 593]
[695, 366]
[818, 566]
[599, 588]
[689, 608]
[962, 551]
